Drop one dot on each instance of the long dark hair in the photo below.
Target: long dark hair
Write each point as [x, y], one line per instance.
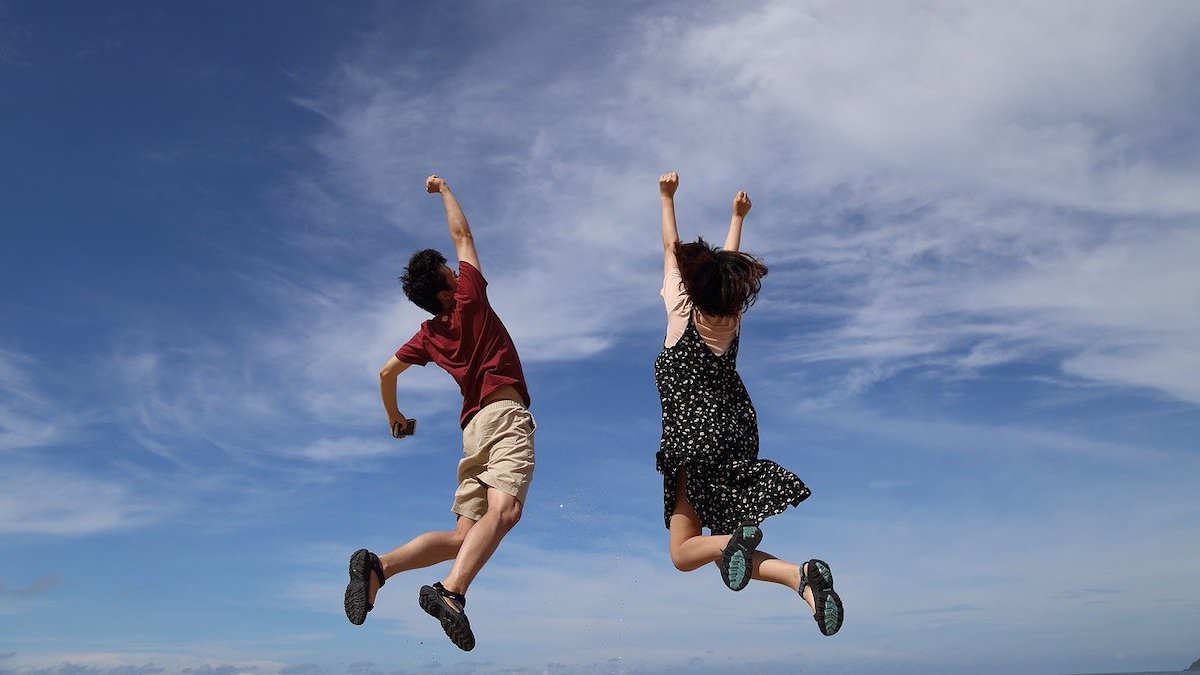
[720, 283]
[422, 280]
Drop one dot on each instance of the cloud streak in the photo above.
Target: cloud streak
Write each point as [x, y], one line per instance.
[956, 172]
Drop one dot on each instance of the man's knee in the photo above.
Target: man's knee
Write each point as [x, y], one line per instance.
[510, 515]
[505, 508]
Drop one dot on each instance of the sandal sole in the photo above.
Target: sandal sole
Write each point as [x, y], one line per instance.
[454, 624]
[356, 590]
[830, 614]
[737, 564]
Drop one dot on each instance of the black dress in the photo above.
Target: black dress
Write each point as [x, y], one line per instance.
[710, 431]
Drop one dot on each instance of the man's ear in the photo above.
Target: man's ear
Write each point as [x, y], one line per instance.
[445, 297]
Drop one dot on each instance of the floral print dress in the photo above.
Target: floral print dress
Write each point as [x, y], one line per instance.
[710, 432]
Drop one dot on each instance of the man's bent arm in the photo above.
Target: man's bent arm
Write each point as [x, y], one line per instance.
[387, 390]
[460, 229]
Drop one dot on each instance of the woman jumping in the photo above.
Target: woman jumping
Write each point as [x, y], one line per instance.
[712, 476]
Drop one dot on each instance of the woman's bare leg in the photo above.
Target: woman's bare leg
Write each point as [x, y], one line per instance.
[690, 549]
[769, 568]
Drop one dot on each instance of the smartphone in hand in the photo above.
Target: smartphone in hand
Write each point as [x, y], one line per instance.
[409, 430]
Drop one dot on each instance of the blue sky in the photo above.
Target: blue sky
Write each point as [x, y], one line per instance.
[977, 343]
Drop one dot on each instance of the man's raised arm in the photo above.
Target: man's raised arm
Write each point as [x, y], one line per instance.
[460, 230]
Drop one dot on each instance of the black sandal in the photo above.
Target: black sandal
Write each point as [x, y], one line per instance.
[829, 613]
[362, 564]
[433, 599]
[737, 560]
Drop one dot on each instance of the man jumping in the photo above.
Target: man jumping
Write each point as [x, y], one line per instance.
[465, 338]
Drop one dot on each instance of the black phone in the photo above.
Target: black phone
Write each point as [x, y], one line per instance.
[409, 430]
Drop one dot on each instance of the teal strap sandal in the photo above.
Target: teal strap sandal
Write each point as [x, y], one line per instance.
[829, 613]
[737, 560]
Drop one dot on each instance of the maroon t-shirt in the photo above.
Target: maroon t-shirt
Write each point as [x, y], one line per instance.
[470, 343]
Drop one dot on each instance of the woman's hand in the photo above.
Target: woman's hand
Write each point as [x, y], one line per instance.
[668, 183]
[741, 204]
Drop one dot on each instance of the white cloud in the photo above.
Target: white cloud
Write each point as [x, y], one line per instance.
[39, 501]
[301, 385]
[909, 157]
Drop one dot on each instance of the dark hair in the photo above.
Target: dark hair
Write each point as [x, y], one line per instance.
[422, 280]
[720, 283]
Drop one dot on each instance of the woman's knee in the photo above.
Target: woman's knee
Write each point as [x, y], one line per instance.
[683, 563]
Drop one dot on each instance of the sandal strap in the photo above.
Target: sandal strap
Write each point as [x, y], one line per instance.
[446, 593]
[377, 567]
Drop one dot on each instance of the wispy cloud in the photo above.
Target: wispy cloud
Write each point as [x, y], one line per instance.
[941, 192]
[973, 211]
[920, 239]
[28, 417]
[95, 505]
[32, 423]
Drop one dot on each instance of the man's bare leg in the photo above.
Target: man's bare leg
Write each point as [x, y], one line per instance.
[423, 550]
[481, 540]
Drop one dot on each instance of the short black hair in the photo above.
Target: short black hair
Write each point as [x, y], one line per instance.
[719, 283]
[422, 280]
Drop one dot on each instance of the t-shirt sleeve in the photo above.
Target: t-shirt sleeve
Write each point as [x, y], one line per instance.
[471, 284]
[414, 351]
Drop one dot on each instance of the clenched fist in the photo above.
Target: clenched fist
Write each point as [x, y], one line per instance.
[668, 183]
[741, 204]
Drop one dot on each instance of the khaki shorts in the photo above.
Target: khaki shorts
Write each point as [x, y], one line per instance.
[497, 452]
